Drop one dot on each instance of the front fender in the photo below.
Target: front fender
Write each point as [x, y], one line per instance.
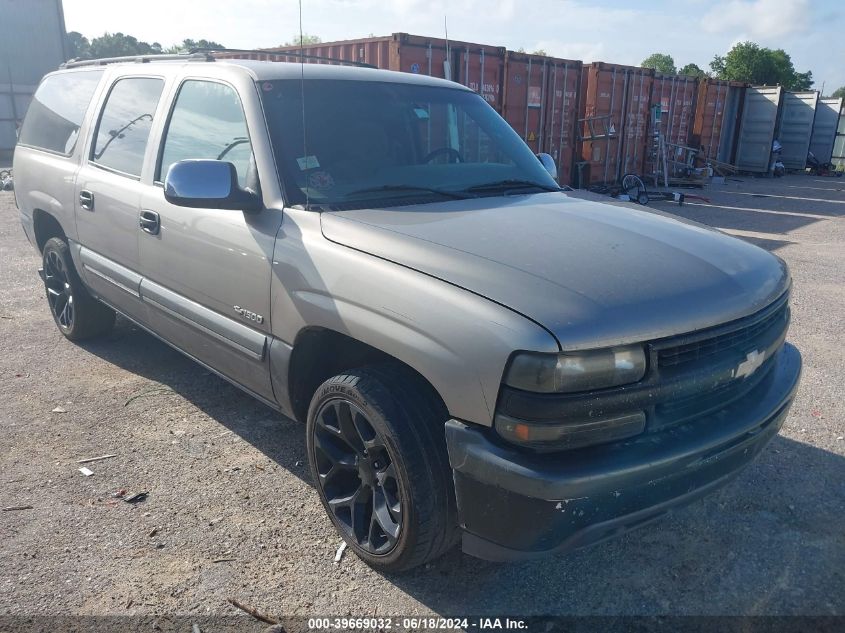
[460, 342]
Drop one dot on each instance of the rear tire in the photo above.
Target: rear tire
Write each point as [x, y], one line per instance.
[377, 450]
[77, 314]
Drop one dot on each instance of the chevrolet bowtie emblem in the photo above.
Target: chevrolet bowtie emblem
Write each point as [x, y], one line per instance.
[751, 363]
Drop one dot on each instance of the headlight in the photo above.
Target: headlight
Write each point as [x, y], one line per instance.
[576, 371]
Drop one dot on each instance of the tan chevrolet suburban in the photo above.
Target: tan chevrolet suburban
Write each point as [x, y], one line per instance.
[475, 354]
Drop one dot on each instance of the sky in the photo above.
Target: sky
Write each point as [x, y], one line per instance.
[615, 31]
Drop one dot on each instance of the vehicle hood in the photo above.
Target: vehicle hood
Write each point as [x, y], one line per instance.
[592, 274]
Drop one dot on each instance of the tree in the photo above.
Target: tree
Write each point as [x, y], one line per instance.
[661, 62]
[119, 45]
[839, 92]
[77, 45]
[188, 45]
[692, 70]
[754, 64]
[305, 41]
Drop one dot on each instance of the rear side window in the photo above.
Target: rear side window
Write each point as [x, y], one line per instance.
[207, 122]
[57, 109]
[125, 124]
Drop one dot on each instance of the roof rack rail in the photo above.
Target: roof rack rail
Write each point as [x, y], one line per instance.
[297, 54]
[139, 59]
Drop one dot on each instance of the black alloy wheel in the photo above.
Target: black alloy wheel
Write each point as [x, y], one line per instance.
[357, 476]
[59, 290]
[77, 314]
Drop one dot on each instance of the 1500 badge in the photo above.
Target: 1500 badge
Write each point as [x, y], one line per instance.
[248, 315]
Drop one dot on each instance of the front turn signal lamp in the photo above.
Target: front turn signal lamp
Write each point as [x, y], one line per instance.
[570, 372]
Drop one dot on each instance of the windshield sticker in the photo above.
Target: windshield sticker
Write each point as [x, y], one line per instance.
[320, 180]
[267, 86]
[421, 113]
[307, 162]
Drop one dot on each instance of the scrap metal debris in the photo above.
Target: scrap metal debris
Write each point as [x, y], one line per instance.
[94, 459]
[16, 508]
[59, 410]
[86, 471]
[138, 497]
[339, 553]
[253, 612]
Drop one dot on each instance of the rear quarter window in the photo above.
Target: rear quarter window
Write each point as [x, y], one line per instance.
[57, 110]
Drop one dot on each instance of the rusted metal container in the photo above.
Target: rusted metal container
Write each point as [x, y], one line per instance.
[478, 66]
[541, 104]
[717, 116]
[614, 121]
[676, 95]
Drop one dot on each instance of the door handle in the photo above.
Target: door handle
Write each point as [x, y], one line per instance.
[86, 200]
[149, 222]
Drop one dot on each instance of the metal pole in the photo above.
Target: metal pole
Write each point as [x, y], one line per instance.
[428, 123]
[542, 122]
[612, 102]
[563, 111]
[670, 126]
[622, 137]
[552, 113]
[527, 93]
[713, 125]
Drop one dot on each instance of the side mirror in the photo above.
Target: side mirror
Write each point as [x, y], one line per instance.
[548, 164]
[208, 184]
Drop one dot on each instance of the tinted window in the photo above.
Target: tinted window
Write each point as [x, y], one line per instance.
[57, 109]
[125, 124]
[361, 143]
[207, 122]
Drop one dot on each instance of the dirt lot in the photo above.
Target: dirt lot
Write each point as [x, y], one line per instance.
[231, 510]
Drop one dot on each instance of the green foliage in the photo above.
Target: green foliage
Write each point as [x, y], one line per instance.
[839, 92]
[754, 64]
[119, 45]
[77, 45]
[692, 70]
[661, 62]
[306, 40]
[188, 45]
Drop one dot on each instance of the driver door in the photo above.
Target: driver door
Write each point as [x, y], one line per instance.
[207, 271]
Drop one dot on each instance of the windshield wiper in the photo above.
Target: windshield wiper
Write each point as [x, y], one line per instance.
[457, 195]
[511, 183]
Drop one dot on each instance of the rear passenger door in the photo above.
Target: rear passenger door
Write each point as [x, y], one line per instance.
[108, 191]
[207, 271]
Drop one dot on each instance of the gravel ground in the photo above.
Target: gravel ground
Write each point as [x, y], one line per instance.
[231, 510]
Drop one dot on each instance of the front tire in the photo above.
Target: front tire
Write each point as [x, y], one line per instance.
[377, 450]
[77, 314]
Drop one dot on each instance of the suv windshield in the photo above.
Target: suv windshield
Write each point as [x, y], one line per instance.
[379, 143]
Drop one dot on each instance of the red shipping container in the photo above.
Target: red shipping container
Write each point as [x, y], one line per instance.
[478, 66]
[615, 106]
[541, 104]
[677, 96]
[717, 116]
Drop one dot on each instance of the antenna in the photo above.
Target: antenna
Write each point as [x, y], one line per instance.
[447, 64]
[302, 90]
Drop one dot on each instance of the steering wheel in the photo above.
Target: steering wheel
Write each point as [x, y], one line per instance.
[451, 152]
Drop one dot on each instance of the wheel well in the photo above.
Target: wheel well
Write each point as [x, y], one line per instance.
[46, 226]
[319, 353]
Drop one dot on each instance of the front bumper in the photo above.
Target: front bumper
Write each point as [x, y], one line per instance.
[515, 505]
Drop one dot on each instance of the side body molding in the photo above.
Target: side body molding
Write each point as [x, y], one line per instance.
[236, 335]
[110, 271]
